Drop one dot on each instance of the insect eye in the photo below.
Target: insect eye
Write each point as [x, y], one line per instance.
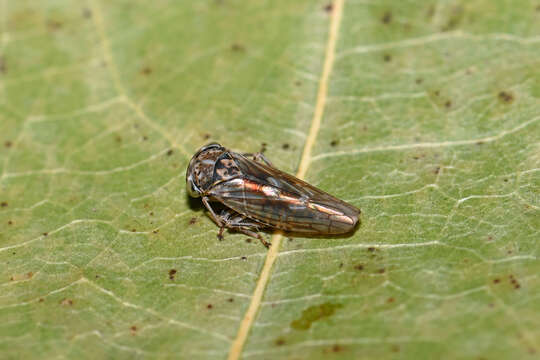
[192, 188]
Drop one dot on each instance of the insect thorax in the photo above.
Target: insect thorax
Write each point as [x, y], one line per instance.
[212, 164]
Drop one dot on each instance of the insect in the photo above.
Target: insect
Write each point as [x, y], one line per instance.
[255, 195]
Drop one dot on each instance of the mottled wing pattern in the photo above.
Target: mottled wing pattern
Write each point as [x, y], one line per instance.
[282, 201]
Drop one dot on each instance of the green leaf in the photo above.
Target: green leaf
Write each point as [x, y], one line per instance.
[430, 126]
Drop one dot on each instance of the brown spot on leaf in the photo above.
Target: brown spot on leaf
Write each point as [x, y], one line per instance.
[66, 302]
[448, 104]
[437, 92]
[280, 341]
[243, 258]
[172, 274]
[238, 47]
[133, 230]
[263, 147]
[8, 144]
[386, 18]
[41, 300]
[155, 231]
[297, 83]
[230, 300]
[209, 306]
[3, 66]
[419, 81]
[479, 143]
[133, 329]
[4, 204]
[147, 70]
[170, 152]
[329, 7]
[334, 142]
[337, 348]
[145, 137]
[45, 234]
[10, 222]
[54, 25]
[437, 170]
[359, 267]
[206, 136]
[371, 249]
[248, 240]
[285, 146]
[496, 280]
[86, 13]
[192, 221]
[395, 348]
[387, 57]
[506, 97]
[390, 300]
[381, 271]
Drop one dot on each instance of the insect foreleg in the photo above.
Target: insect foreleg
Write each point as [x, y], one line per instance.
[213, 215]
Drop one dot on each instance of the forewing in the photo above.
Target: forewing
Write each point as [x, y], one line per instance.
[283, 201]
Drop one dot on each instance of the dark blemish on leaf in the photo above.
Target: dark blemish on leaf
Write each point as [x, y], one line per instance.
[4, 204]
[146, 70]
[243, 258]
[133, 230]
[337, 348]
[172, 274]
[170, 152]
[66, 302]
[419, 81]
[29, 275]
[430, 11]
[496, 280]
[155, 231]
[386, 18]
[209, 306]
[490, 238]
[192, 221]
[45, 234]
[118, 139]
[279, 341]
[206, 136]
[491, 305]
[97, 276]
[290, 239]
[8, 144]
[54, 25]
[41, 300]
[297, 83]
[248, 240]
[359, 267]
[86, 13]
[334, 142]
[381, 271]
[436, 93]
[263, 147]
[390, 300]
[145, 137]
[395, 348]
[387, 57]
[328, 8]
[230, 300]
[10, 222]
[3, 66]
[479, 143]
[505, 180]
[506, 97]
[340, 265]
[151, 213]
[371, 249]
[455, 18]
[314, 313]
[133, 330]
[285, 146]
[448, 104]
[238, 47]
[437, 170]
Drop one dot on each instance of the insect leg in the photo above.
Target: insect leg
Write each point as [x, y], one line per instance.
[240, 223]
[213, 215]
[246, 231]
[258, 156]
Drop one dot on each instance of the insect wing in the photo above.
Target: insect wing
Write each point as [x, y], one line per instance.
[283, 201]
